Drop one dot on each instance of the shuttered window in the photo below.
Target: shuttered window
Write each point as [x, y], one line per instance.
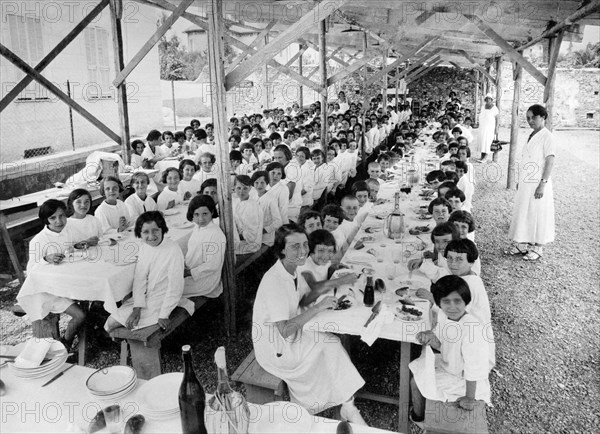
[25, 40]
[96, 52]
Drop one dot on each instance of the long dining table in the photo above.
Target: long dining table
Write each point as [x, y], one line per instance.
[387, 259]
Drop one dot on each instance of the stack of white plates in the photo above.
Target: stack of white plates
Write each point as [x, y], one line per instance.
[57, 355]
[159, 397]
[112, 383]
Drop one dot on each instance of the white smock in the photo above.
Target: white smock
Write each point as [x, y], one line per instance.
[166, 197]
[314, 365]
[109, 216]
[136, 206]
[271, 217]
[85, 228]
[204, 257]
[533, 219]
[487, 128]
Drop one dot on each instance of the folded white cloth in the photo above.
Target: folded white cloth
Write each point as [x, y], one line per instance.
[370, 333]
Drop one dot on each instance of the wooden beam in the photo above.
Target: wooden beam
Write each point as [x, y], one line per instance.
[313, 72]
[219, 117]
[514, 127]
[400, 60]
[301, 71]
[116, 10]
[365, 46]
[498, 96]
[258, 42]
[23, 66]
[554, 44]
[418, 63]
[476, 94]
[584, 11]
[423, 71]
[507, 48]
[159, 33]
[323, 74]
[290, 62]
[351, 69]
[321, 11]
[385, 79]
[14, 92]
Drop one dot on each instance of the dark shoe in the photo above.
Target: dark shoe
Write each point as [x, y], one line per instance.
[18, 311]
[418, 421]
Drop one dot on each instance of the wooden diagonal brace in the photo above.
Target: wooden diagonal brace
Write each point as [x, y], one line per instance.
[23, 66]
[258, 41]
[291, 61]
[291, 34]
[350, 70]
[507, 48]
[423, 71]
[10, 96]
[159, 33]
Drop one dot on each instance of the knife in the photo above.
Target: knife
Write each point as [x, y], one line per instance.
[375, 311]
[57, 375]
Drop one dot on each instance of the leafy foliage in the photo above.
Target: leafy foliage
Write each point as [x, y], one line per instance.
[176, 63]
[587, 58]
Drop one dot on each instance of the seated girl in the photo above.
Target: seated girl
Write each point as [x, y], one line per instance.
[158, 278]
[465, 184]
[170, 196]
[137, 149]
[456, 198]
[84, 226]
[310, 221]
[189, 186]
[247, 216]
[207, 169]
[49, 247]
[465, 223]
[318, 266]
[461, 368]
[206, 250]
[249, 162]
[112, 213]
[139, 202]
[268, 204]
[279, 189]
[360, 190]
[333, 216]
[440, 209]
[315, 366]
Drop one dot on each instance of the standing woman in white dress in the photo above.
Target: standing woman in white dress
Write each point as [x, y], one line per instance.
[532, 225]
[488, 121]
[314, 365]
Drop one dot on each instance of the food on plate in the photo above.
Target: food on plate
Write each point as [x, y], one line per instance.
[368, 271]
[406, 301]
[359, 245]
[344, 304]
[402, 291]
[97, 423]
[134, 424]
[425, 217]
[408, 313]
[379, 285]
[367, 239]
[418, 230]
[412, 311]
[371, 230]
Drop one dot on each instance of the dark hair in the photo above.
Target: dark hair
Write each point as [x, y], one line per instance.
[538, 110]
[442, 147]
[463, 246]
[321, 236]
[457, 192]
[463, 217]
[462, 165]
[137, 175]
[134, 144]
[306, 215]
[286, 151]
[147, 217]
[275, 136]
[304, 150]
[447, 184]
[360, 186]
[167, 133]
[50, 207]
[453, 144]
[113, 179]
[244, 180]
[448, 163]
[193, 121]
[76, 194]
[447, 285]
[209, 155]
[179, 135]
[445, 228]
[246, 127]
[451, 176]
[456, 130]
[200, 134]
[189, 127]
[187, 162]
[235, 155]
[198, 201]
[210, 182]
[281, 234]
[333, 210]
[318, 151]
[276, 165]
[434, 175]
[439, 201]
[260, 174]
[153, 135]
[463, 147]
[235, 137]
[166, 173]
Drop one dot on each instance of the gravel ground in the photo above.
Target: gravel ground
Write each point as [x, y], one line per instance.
[546, 314]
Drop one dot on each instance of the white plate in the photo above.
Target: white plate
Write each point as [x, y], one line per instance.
[359, 257]
[171, 211]
[160, 394]
[110, 380]
[77, 255]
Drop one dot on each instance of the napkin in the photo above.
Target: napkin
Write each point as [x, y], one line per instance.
[34, 352]
[423, 370]
[370, 333]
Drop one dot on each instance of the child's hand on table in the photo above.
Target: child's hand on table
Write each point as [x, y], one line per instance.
[427, 295]
[54, 258]
[328, 302]
[122, 224]
[134, 318]
[93, 241]
[429, 338]
[466, 403]
[163, 323]
[414, 264]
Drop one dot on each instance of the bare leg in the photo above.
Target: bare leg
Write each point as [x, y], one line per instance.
[418, 401]
[111, 324]
[77, 318]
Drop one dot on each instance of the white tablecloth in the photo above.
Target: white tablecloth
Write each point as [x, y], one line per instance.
[65, 404]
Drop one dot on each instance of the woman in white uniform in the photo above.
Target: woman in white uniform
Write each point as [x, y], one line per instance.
[488, 119]
[532, 225]
[314, 365]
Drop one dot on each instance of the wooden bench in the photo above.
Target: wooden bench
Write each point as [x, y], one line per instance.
[144, 344]
[448, 417]
[261, 387]
[247, 259]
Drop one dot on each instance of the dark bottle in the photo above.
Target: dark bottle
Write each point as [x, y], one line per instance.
[369, 298]
[192, 399]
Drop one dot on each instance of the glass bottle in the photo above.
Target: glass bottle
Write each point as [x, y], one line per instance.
[192, 400]
[369, 297]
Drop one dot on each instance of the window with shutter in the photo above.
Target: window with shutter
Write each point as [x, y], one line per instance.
[96, 51]
[26, 41]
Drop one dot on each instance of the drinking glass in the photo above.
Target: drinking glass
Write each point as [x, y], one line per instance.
[380, 255]
[390, 271]
[397, 254]
[112, 416]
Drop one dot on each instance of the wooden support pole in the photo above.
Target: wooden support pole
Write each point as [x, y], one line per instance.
[554, 48]
[159, 33]
[116, 12]
[385, 80]
[10, 96]
[23, 66]
[219, 117]
[397, 86]
[323, 73]
[266, 79]
[301, 71]
[498, 89]
[365, 104]
[476, 94]
[514, 126]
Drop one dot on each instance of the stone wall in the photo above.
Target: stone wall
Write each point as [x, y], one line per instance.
[440, 81]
